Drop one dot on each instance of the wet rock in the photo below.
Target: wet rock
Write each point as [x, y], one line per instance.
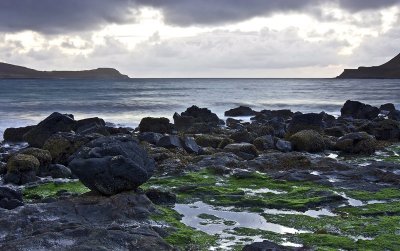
[259, 130]
[56, 122]
[16, 134]
[158, 196]
[112, 164]
[197, 120]
[91, 125]
[358, 142]
[297, 176]
[394, 115]
[119, 130]
[10, 199]
[190, 145]
[242, 136]
[62, 145]
[157, 125]
[170, 141]
[284, 113]
[43, 156]
[389, 107]
[150, 137]
[206, 140]
[280, 161]
[264, 143]
[283, 146]
[309, 121]
[22, 169]
[243, 150]
[3, 168]
[336, 131]
[87, 222]
[387, 129]
[59, 171]
[240, 111]
[234, 123]
[220, 160]
[358, 110]
[308, 141]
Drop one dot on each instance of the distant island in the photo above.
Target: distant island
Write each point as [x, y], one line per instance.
[389, 70]
[9, 71]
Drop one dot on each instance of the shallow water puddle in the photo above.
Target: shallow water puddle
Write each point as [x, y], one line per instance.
[311, 213]
[241, 219]
[250, 191]
[352, 202]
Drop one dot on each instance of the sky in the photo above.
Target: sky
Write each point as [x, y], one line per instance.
[201, 38]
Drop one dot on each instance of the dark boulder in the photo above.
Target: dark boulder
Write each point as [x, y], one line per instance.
[388, 130]
[389, 107]
[264, 143]
[358, 142]
[170, 141]
[309, 121]
[22, 169]
[157, 125]
[358, 110]
[62, 145]
[240, 111]
[283, 145]
[190, 145]
[197, 120]
[394, 115]
[56, 122]
[336, 131]
[242, 136]
[91, 125]
[43, 156]
[59, 171]
[112, 164]
[158, 196]
[308, 141]
[243, 150]
[213, 141]
[16, 134]
[10, 199]
[150, 137]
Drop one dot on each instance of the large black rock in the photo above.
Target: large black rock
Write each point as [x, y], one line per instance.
[56, 122]
[359, 110]
[157, 125]
[308, 121]
[113, 164]
[10, 199]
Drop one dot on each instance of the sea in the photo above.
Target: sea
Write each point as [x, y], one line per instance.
[126, 102]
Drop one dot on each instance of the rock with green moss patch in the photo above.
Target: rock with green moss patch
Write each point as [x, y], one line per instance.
[62, 145]
[206, 140]
[308, 141]
[358, 142]
[22, 169]
[243, 150]
[43, 156]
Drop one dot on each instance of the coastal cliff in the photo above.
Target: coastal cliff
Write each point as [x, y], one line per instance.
[389, 70]
[9, 71]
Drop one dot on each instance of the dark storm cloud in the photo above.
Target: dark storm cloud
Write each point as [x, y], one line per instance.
[58, 16]
[61, 16]
[192, 12]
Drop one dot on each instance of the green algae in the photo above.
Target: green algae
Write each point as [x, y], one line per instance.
[383, 194]
[390, 208]
[183, 235]
[50, 190]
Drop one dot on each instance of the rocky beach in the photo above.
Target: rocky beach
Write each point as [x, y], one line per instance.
[281, 180]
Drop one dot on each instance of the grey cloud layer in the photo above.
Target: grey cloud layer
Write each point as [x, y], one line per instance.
[51, 16]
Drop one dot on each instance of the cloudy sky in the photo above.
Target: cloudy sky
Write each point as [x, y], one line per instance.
[200, 38]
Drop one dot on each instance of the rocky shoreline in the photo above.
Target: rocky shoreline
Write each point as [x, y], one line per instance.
[283, 181]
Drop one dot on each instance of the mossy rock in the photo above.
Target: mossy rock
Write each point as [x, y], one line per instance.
[308, 141]
[205, 140]
[22, 163]
[359, 142]
[43, 156]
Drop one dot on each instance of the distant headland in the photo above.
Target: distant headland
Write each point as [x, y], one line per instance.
[389, 70]
[9, 71]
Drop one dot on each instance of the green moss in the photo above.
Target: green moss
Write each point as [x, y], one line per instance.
[51, 189]
[383, 194]
[328, 241]
[183, 235]
[392, 208]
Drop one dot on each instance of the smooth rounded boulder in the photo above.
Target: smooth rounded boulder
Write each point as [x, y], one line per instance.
[56, 122]
[358, 142]
[308, 141]
[113, 164]
[22, 169]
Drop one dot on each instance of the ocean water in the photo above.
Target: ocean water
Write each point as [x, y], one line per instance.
[24, 102]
